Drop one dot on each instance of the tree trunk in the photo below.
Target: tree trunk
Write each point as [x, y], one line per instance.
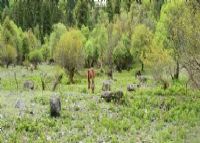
[35, 66]
[71, 75]
[7, 65]
[101, 64]
[57, 81]
[142, 66]
[176, 75]
[110, 73]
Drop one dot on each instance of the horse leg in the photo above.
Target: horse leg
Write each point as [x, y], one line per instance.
[88, 83]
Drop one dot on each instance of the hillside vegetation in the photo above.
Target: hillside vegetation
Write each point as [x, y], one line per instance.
[141, 59]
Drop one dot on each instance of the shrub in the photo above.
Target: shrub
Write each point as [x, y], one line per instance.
[91, 53]
[12, 35]
[8, 55]
[141, 39]
[35, 57]
[69, 52]
[58, 31]
[122, 57]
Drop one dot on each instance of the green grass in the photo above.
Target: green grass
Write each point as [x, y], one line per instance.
[147, 115]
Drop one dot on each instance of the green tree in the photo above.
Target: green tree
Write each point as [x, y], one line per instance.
[190, 51]
[69, 12]
[29, 14]
[8, 54]
[91, 53]
[100, 36]
[109, 10]
[141, 40]
[29, 43]
[69, 52]
[126, 4]
[117, 6]
[12, 35]
[45, 49]
[156, 7]
[170, 33]
[58, 30]
[122, 57]
[3, 4]
[85, 31]
[113, 38]
[81, 12]
[35, 57]
[159, 60]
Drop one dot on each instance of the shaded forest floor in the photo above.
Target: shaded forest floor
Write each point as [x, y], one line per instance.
[148, 115]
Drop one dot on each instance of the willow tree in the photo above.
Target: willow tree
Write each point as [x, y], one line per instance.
[69, 52]
[170, 33]
[141, 40]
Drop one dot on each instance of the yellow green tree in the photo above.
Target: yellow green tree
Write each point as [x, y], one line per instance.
[141, 40]
[159, 60]
[69, 52]
[8, 54]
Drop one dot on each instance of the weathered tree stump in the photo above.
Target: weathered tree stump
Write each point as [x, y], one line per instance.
[28, 84]
[20, 104]
[109, 96]
[132, 87]
[106, 85]
[55, 106]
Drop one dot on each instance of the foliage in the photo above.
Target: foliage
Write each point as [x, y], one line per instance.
[45, 49]
[189, 52]
[35, 57]
[81, 12]
[69, 52]
[91, 53]
[8, 54]
[85, 31]
[141, 39]
[99, 34]
[121, 54]
[170, 33]
[69, 12]
[58, 30]
[109, 10]
[29, 42]
[12, 35]
[159, 60]
[29, 14]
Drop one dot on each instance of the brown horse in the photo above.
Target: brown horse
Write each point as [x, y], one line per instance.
[91, 76]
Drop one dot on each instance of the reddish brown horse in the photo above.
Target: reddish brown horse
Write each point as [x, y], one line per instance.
[91, 76]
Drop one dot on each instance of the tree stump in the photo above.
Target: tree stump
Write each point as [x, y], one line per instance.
[55, 106]
[132, 87]
[106, 85]
[109, 96]
[28, 84]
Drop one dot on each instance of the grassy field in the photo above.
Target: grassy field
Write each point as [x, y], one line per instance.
[149, 115]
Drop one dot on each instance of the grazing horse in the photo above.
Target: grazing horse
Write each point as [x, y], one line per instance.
[91, 76]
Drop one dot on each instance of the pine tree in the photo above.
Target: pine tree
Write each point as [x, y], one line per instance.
[109, 10]
[117, 6]
[69, 12]
[82, 13]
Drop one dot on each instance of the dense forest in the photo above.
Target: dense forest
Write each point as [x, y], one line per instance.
[123, 33]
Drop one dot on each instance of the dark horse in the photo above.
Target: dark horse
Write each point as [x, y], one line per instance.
[91, 76]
